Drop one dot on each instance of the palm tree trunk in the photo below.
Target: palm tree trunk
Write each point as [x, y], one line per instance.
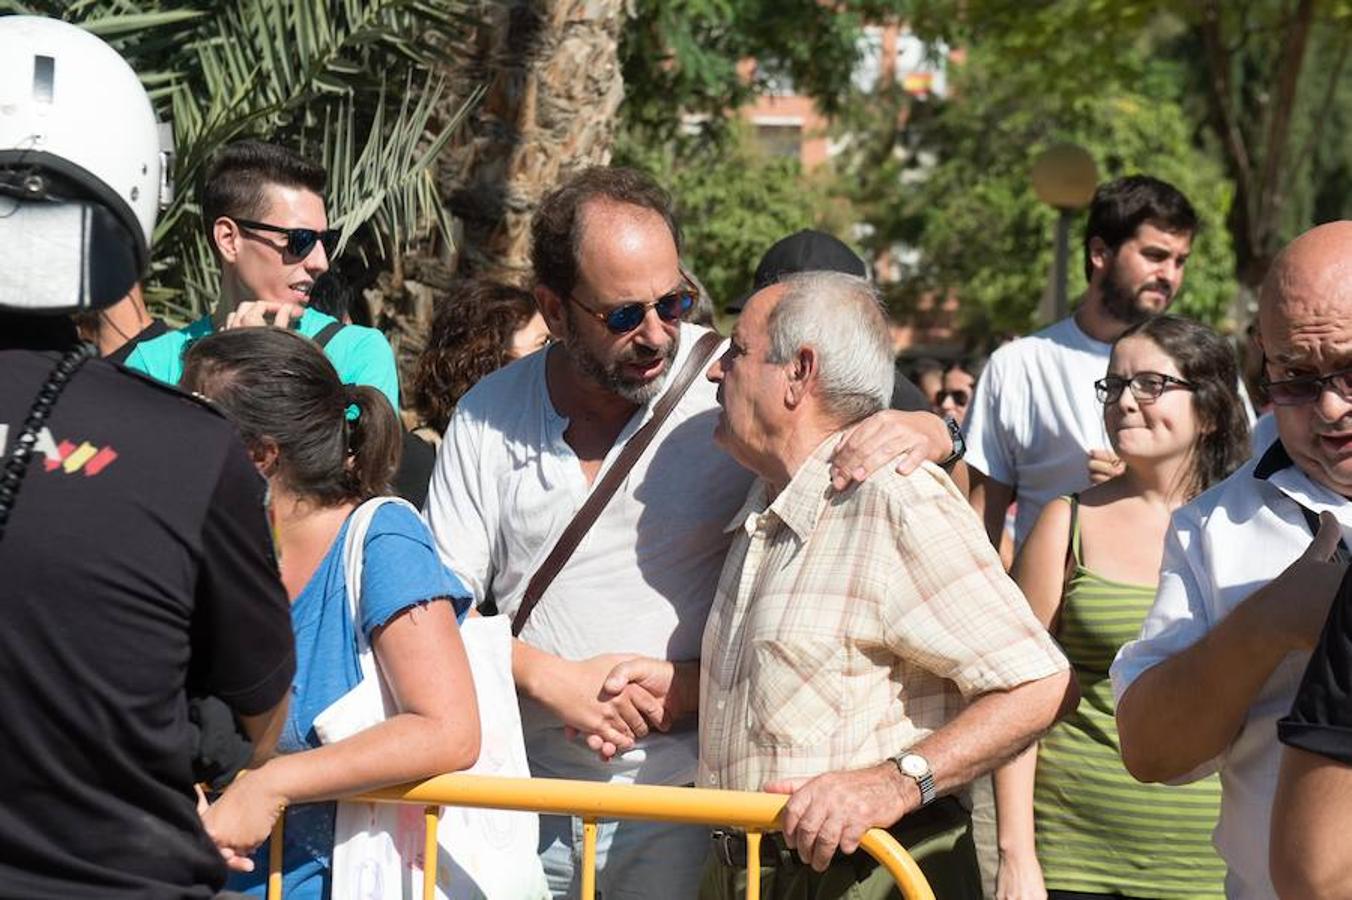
[553, 88]
[553, 84]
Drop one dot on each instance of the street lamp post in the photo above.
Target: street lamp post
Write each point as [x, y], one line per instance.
[1064, 177]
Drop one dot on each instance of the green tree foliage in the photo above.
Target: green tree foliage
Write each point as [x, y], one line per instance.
[957, 190]
[343, 81]
[688, 70]
[1264, 79]
[733, 201]
[688, 57]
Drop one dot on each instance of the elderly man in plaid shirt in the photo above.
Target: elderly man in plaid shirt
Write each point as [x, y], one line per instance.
[866, 652]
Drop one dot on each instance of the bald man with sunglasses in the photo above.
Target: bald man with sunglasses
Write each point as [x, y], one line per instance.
[263, 208]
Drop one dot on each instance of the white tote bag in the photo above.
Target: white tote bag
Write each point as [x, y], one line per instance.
[484, 854]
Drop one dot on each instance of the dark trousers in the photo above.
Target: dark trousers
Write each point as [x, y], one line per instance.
[941, 845]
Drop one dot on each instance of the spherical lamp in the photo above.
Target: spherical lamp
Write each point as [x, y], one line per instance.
[1065, 177]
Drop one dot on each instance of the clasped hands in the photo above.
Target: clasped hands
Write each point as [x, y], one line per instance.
[616, 699]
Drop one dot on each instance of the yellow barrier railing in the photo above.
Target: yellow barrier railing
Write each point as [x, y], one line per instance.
[752, 812]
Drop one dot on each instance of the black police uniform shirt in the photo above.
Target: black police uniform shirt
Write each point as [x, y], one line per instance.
[137, 562]
[1320, 720]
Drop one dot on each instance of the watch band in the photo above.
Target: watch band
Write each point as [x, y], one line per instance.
[924, 780]
[959, 444]
[926, 784]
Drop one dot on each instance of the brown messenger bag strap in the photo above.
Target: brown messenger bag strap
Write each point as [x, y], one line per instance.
[610, 482]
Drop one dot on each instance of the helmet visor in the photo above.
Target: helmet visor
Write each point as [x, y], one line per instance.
[58, 257]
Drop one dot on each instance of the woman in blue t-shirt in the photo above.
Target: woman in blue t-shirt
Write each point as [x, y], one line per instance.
[324, 447]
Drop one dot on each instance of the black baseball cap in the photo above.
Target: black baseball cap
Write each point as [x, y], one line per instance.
[802, 251]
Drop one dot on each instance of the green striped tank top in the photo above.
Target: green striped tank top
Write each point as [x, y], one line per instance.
[1098, 829]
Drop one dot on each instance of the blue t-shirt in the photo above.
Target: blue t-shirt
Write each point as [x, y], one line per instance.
[361, 355]
[400, 569]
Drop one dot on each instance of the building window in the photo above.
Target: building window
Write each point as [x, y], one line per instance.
[780, 138]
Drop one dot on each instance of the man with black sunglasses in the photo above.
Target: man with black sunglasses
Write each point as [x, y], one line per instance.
[263, 209]
[607, 663]
[1250, 570]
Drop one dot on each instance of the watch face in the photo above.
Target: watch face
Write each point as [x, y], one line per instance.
[914, 765]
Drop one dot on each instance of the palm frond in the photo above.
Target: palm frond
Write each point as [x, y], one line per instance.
[328, 75]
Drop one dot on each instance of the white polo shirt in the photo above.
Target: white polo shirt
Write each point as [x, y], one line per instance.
[1220, 548]
[1034, 417]
[505, 486]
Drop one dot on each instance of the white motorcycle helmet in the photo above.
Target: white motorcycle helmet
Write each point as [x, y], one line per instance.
[84, 169]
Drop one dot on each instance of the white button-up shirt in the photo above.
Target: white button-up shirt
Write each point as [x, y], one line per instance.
[1220, 548]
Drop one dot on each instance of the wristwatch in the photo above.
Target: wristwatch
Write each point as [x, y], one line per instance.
[917, 768]
[959, 445]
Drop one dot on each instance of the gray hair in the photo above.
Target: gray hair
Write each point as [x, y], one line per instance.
[840, 317]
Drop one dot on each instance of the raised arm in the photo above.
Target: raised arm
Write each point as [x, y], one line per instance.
[1312, 809]
[1185, 710]
[910, 438]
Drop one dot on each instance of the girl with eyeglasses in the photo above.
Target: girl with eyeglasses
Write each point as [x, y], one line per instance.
[1072, 823]
[325, 447]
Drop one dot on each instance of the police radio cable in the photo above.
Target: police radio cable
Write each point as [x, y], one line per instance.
[21, 454]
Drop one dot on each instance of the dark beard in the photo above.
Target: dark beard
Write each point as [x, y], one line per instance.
[1119, 300]
[636, 392]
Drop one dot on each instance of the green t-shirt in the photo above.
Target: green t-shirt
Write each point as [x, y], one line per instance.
[361, 355]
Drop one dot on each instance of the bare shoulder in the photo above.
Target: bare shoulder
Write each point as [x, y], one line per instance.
[1105, 494]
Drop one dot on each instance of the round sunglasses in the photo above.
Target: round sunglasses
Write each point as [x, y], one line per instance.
[299, 241]
[960, 397]
[623, 319]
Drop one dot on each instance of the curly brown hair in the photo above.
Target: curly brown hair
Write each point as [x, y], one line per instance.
[471, 335]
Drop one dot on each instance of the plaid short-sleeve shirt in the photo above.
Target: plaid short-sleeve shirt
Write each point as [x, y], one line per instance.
[849, 625]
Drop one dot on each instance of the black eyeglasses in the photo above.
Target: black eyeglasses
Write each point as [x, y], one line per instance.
[623, 319]
[299, 241]
[1144, 386]
[1306, 388]
[959, 397]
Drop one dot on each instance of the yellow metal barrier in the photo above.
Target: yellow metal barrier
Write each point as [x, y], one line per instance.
[752, 812]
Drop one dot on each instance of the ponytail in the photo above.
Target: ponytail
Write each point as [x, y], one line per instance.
[335, 443]
[375, 441]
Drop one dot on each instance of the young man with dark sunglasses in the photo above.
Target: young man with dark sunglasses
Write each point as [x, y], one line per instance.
[263, 210]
